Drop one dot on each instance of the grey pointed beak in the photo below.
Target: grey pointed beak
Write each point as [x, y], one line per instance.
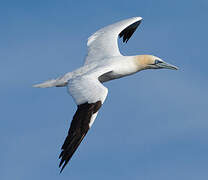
[167, 66]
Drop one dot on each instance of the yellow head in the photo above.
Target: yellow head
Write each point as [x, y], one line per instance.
[152, 62]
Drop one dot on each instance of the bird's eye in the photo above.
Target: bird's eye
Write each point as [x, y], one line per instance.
[157, 61]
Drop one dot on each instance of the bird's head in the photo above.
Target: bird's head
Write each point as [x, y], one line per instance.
[153, 62]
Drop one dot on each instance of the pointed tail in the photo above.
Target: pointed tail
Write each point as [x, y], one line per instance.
[51, 83]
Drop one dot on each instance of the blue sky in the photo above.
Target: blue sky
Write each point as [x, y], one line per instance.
[153, 124]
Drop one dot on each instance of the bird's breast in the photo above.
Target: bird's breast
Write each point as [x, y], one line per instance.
[119, 69]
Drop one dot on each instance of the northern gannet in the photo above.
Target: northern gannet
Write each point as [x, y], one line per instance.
[103, 63]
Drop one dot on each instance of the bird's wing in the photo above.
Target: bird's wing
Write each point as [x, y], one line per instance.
[89, 95]
[103, 43]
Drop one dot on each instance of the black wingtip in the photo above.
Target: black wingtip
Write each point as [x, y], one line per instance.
[61, 162]
[128, 31]
[77, 131]
[61, 154]
[62, 168]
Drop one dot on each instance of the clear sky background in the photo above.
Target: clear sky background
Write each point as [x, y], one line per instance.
[153, 125]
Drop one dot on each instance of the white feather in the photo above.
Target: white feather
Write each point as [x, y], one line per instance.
[103, 43]
[87, 89]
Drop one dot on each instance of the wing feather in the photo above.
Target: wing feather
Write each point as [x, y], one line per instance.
[103, 43]
[89, 94]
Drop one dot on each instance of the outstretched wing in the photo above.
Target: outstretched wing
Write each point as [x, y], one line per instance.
[103, 43]
[89, 95]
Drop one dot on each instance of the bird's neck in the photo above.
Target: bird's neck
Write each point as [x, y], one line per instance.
[141, 61]
[128, 65]
[124, 66]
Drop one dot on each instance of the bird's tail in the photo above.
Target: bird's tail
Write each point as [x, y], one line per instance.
[58, 82]
[51, 83]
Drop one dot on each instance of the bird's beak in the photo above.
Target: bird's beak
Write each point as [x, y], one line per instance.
[167, 66]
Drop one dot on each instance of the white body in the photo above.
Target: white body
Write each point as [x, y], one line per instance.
[104, 62]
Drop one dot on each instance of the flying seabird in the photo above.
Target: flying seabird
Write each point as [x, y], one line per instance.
[103, 63]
